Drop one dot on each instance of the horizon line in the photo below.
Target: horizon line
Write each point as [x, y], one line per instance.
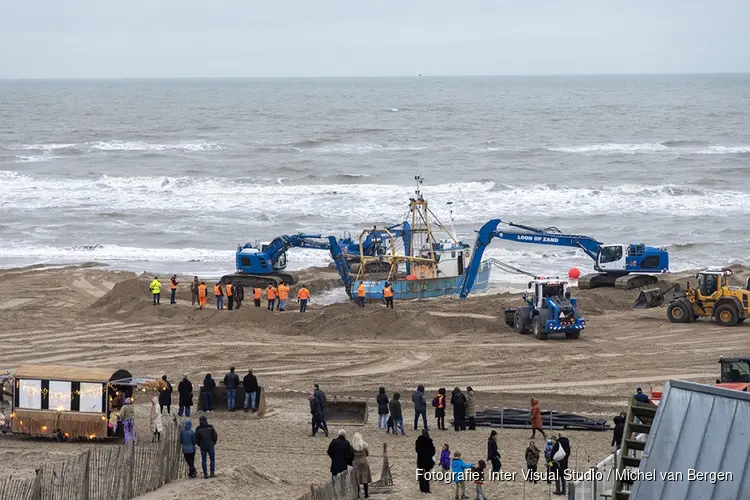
[351, 77]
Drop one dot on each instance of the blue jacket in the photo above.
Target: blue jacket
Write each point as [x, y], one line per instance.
[459, 466]
[187, 438]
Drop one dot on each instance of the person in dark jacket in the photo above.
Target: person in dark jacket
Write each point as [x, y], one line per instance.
[316, 413]
[185, 390]
[382, 400]
[341, 453]
[532, 461]
[209, 384]
[640, 396]
[420, 406]
[425, 449]
[493, 452]
[239, 294]
[396, 414]
[560, 466]
[187, 440]
[619, 422]
[206, 439]
[231, 381]
[250, 384]
[321, 397]
[439, 404]
[458, 400]
[165, 395]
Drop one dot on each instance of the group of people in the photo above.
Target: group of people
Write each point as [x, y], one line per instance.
[278, 296]
[155, 288]
[231, 382]
[344, 454]
[234, 293]
[361, 297]
[390, 413]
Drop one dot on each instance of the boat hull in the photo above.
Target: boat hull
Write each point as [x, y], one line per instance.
[423, 288]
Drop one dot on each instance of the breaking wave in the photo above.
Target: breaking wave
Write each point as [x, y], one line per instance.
[103, 146]
[673, 147]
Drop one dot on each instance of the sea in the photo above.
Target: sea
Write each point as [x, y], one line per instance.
[168, 176]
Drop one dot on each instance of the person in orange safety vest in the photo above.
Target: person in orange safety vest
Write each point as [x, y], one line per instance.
[230, 296]
[202, 295]
[173, 287]
[283, 296]
[303, 296]
[256, 296]
[219, 294]
[271, 296]
[361, 294]
[388, 295]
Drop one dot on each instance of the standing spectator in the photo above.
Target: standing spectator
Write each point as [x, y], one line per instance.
[185, 391]
[187, 440]
[458, 467]
[548, 459]
[479, 481]
[165, 395]
[360, 452]
[209, 384]
[341, 453]
[420, 406]
[396, 415]
[155, 288]
[173, 288]
[194, 289]
[536, 419]
[250, 384]
[619, 421]
[382, 400]
[283, 291]
[425, 449]
[230, 295]
[493, 452]
[439, 404]
[206, 439]
[316, 413]
[560, 454]
[239, 294]
[156, 424]
[127, 416]
[532, 461]
[458, 400]
[321, 397]
[361, 294]
[471, 408]
[231, 381]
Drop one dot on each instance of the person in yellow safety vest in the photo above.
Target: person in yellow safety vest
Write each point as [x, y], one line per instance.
[256, 296]
[361, 294]
[230, 297]
[155, 288]
[202, 295]
[283, 296]
[219, 294]
[303, 296]
[271, 295]
[173, 286]
[388, 295]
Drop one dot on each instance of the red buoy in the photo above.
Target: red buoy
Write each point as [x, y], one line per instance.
[574, 273]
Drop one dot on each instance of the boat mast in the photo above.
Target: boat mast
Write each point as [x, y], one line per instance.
[420, 222]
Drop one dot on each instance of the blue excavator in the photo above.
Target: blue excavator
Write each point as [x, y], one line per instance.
[616, 265]
[375, 244]
[263, 265]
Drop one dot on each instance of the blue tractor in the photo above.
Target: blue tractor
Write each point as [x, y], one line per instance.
[263, 265]
[549, 309]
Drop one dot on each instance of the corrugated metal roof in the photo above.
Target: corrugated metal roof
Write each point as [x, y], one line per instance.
[702, 428]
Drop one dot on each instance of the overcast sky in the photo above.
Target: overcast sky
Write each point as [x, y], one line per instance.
[259, 38]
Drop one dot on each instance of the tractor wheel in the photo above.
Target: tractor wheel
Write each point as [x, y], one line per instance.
[538, 328]
[727, 315]
[678, 312]
[519, 323]
[573, 335]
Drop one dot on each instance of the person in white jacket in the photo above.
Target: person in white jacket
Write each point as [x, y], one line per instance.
[156, 424]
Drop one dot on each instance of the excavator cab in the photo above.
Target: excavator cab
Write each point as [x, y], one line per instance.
[735, 373]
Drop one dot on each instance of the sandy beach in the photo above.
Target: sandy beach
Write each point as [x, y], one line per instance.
[90, 316]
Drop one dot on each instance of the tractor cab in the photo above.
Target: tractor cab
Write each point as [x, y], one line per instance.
[712, 280]
[542, 288]
[735, 373]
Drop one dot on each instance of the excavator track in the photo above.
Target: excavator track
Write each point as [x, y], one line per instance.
[261, 281]
[630, 281]
[596, 280]
[626, 282]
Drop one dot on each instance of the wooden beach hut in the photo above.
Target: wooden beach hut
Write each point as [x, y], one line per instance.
[66, 401]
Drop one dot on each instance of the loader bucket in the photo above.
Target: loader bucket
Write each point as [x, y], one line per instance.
[346, 412]
[647, 299]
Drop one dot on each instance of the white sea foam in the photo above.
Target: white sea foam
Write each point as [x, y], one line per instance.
[612, 148]
[117, 145]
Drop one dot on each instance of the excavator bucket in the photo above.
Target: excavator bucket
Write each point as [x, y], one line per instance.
[348, 412]
[655, 297]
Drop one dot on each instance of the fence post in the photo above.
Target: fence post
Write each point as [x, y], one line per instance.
[502, 417]
[85, 491]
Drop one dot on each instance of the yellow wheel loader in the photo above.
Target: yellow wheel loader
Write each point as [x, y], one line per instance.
[713, 298]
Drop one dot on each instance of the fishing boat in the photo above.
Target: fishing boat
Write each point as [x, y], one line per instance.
[434, 261]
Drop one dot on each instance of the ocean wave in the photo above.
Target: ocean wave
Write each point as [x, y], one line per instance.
[611, 148]
[674, 147]
[35, 159]
[685, 143]
[118, 145]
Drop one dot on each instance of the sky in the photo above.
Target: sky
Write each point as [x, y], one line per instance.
[310, 38]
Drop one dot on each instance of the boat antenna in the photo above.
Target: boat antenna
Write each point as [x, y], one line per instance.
[453, 222]
[419, 180]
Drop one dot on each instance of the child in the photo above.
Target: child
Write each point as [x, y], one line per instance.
[389, 425]
[445, 458]
[458, 467]
[479, 470]
[532, 460]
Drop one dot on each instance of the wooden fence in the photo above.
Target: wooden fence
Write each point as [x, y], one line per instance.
[110, 472]
[344, 485]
